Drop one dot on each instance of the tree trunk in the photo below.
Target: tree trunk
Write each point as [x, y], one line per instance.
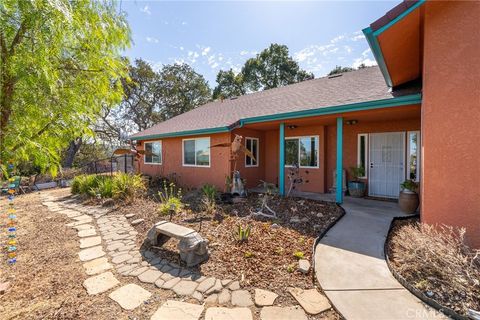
[72, 150]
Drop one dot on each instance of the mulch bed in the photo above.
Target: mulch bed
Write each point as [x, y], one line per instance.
[264, 260]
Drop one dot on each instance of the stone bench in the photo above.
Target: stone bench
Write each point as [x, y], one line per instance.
[193, 248]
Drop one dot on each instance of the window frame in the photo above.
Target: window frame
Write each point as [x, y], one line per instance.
[419, 155]
[257, 156]
[161, 153]
[317, 146]
[366, 153]
[196, 165]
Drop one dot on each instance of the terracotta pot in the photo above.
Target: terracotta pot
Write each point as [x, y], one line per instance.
[356, 188]
[408, 201]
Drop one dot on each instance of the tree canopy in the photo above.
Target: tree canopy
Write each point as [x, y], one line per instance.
[271, 68]
[150, 97]
[59, 63]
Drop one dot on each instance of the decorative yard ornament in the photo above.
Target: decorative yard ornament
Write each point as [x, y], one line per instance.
[294, 178]
[11, 218]
[236, 149]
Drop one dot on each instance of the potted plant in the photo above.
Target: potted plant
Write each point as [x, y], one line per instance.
[356, 187]
[408, 199]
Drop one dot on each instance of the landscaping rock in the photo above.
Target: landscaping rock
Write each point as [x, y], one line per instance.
[100, 283]
[242, 298]
[170, 283]
[137, 221]
[303, 266]
[159, 283]
[198, 296]
[90, 242]
[211, 299]
[234, 286]
[138, 271]
[87, 233]
[226, 282]
[311, 300]
[129, 215]
[121, 258]
[96, 266]
[285, 313]
[185, 287]
[264, 297]
[224, 297]
[217, 287]
[178, 310]
[91, 253]
[150, 276]
[228, 314]
[130, 296]
[206, 284]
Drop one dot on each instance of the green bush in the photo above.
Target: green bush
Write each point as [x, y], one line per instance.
[171, 199]
[127, 186]
[208, 199]
[120, 186]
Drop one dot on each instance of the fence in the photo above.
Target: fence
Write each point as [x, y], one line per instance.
[122, 163]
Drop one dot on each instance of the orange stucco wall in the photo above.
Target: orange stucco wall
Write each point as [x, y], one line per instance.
[252, 175]
[451, 115]
[350, 136]
[191, 176]
[315, 176]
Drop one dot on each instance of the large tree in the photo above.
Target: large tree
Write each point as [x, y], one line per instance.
[59, 64]
[182, 89]
[272, 68]
[229, 85]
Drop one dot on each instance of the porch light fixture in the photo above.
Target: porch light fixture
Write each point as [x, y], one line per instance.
[351, 122]
[291, 127]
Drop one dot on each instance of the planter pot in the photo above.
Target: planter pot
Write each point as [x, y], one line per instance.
[408, 201]
[356, 189]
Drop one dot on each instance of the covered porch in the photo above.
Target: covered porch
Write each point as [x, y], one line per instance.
[384, 141]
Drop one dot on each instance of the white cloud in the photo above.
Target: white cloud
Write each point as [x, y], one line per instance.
[205, 51]
[184, 23]
[367, 62]
[358, 37]
[181, 48]
[366, 52]
[337, 38]
[348, 49]
[152, 40]
[146, 10]
[243, 52]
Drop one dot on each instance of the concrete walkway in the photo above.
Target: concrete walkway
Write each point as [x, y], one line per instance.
[350, 266]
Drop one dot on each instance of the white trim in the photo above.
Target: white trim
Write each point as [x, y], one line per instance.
[366, 153]
[257, 156]
[407, 162]
[196, 165]
[317, 149]
[161, 153]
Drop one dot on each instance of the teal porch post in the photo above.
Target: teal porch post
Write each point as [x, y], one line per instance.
[281, 164]
[339, 186]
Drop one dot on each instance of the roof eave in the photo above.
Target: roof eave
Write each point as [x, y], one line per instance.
[359, 106]
[372, 38]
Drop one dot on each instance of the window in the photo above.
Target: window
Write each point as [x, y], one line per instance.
[153, 152]
[302, 151]
[362, 152]
[252, 145]
[413, 155]
[196, 152]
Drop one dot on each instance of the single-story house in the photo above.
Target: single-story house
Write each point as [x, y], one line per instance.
[415, 116]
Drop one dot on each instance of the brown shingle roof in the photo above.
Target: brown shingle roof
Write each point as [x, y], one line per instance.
[352, 87]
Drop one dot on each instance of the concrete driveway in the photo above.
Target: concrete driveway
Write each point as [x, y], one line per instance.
[350, 266]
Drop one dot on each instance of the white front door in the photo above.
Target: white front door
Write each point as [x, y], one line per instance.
[386, 164]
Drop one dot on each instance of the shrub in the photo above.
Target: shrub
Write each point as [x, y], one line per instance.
[436, 259]
[249, 254]
[291, 268]
[120, 186]
[299, 255]
[209, 196]
[243, 233]
[171, 199]
[127, 186]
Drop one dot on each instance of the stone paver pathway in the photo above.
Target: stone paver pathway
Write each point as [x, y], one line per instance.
[107, 247]
[351, 268]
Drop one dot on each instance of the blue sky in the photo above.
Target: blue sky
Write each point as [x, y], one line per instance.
[213, 36]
